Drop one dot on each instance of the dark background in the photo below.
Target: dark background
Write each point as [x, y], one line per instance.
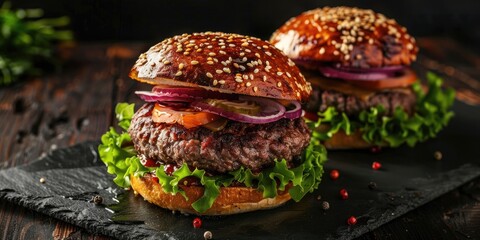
[149, 20]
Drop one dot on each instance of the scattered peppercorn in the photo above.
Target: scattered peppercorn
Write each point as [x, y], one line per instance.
[42, 180]
[376, 165]
[97, 199]
[437, 155]
[352, 221]
[325, 205]
[207, 235]
[197, 223]
[344, 194]
[334, 174]
[375, 149]
[372, 185]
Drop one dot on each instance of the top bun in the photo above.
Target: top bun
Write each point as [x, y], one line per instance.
[350, 37]
[223, 62]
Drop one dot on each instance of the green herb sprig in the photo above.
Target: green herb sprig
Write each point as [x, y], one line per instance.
[27, 42]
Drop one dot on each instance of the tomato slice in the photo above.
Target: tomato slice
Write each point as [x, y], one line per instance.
[404, 80]
[186, 117]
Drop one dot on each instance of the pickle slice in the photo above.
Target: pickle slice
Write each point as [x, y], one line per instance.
[236, 106]
[216, 125]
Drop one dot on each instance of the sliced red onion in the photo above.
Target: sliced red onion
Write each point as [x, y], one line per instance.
[195, 93]
[387, 69]
[155, 97]
[338, 73]
[271, 111]
[294, 113]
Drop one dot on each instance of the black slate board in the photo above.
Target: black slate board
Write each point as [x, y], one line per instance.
[409, 178]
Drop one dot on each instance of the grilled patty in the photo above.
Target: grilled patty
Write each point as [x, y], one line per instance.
[253, 146]
[352, 105]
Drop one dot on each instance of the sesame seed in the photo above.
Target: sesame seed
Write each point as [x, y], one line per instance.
[236, 65]
[257, 54]
[248, 84]
[268, 53]
[255, 89]
[210, 62]
[242, 68]
[256, 70]
[409, 46]
[227, 70]
[221, 82]
[244, 44]
[186, 53]
[370, 41]
[222, 52]
[249, 64]
[180, 66]
[279, 73]
[288, 74]
[194, 62]
[211, 54]
[218, 71]
[322, 50]
[264, 78]
[248, 50]
[335, 53]
[178, 73]
[209, 75]
[166, 62]
[239, 80]
[251, 76]
[245, 77]
[215, 82]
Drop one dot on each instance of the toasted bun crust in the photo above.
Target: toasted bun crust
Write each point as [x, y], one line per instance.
[229, 63]
[231, 200]
[347, 36]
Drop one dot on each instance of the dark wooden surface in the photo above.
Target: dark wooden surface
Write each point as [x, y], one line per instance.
[76, 105]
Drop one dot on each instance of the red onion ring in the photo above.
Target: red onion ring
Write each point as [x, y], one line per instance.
[155, 97]
[294, 113]
[271, 111]
[350, 75]
[195, 93]
[386, 69]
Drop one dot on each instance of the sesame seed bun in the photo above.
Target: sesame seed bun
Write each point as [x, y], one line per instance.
[232, 200]
[351, 37]
[223, 62]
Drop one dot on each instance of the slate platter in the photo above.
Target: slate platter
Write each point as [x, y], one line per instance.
[409, 178]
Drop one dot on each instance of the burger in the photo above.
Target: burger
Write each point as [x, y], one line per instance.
[221, 130]
[364, 92]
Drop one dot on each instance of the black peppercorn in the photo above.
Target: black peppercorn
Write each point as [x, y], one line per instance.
[325, 205]
[372, 185]
[97, 199]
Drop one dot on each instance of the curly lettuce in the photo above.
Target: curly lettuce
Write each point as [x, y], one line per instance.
[117, 152]
[433, 112]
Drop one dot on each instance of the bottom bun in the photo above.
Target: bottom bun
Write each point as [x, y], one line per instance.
[340, 140]
[231, 200]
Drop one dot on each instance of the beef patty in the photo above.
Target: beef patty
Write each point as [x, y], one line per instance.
[352, 105]
[253, 146]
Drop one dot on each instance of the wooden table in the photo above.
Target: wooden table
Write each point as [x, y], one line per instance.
[75, 105]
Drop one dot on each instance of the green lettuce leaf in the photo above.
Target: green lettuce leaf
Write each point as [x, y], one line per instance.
[117, 152]
[433, 112]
